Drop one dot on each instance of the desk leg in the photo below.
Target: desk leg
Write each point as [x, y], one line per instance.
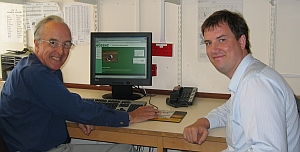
[160, 145]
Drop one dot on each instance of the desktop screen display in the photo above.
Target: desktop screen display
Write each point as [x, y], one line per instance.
[121, 60]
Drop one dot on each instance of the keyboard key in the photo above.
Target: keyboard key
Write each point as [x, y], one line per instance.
[123, 105]
[133, 107]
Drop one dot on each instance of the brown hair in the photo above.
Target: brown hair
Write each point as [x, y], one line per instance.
[235, 21]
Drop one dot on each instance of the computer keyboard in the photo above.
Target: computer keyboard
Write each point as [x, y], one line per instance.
[123, 105]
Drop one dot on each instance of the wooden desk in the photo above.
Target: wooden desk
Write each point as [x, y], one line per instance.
[163, 135]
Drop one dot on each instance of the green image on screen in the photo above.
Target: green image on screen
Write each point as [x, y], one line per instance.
[122, 61]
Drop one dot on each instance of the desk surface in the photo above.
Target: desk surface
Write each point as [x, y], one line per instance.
[200, 108]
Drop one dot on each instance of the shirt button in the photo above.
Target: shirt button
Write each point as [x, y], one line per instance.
[121, 123]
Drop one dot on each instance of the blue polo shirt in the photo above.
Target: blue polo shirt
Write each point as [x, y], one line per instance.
[35, 105]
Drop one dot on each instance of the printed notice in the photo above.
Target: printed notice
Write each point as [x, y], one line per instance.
[37, 11]
[206, 8]
[78, 17]
[12, 23]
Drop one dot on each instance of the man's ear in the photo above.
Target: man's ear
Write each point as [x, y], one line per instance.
[36, 44]
[242, 41]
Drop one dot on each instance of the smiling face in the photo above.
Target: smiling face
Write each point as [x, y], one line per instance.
[224, 51]
[53, 58]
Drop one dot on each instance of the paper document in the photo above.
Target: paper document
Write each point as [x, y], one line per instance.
[170, 116]
[37, 11]
[12, 23]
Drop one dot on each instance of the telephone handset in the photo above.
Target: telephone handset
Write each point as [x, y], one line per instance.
[182, 96]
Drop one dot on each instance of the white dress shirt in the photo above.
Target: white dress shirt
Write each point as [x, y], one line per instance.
[261, 114]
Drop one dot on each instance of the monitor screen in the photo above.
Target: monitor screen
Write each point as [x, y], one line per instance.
[121, 60]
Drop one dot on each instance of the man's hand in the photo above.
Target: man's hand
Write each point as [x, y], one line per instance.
[197, 132]
[143, 113]
[86, 129]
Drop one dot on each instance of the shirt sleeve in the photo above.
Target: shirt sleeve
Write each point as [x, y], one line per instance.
[261, 113]
[218, 116]
[49, 92]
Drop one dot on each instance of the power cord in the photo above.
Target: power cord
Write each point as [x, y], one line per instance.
[151, 149]
[139, 148]
[142, 148]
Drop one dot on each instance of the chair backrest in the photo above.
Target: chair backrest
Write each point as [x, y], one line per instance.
[298, 103]
[3, 147]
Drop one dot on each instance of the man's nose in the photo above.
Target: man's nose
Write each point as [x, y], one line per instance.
[60, 49]
[214, 47]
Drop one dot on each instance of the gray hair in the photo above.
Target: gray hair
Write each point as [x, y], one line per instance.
[39, 26]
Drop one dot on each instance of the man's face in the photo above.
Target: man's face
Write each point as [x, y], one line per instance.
[52, 57]
[223, 50]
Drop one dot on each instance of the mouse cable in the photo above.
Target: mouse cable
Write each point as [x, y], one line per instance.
[149, 101]
[144, 92]
[140, 90]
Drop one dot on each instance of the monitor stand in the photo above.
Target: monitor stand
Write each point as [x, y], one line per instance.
[123, 92]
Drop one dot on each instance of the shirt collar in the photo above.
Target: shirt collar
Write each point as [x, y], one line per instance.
[239, 72]
[33, 57]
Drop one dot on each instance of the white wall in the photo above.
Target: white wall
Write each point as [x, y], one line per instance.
[204, 75]
[145, 15]
[287, 40]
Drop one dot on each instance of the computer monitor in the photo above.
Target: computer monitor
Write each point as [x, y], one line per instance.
[121, 60]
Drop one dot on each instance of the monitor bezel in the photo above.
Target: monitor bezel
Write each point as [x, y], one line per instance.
[121, 81]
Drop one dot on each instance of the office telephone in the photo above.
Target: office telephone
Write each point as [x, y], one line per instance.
[182, 96]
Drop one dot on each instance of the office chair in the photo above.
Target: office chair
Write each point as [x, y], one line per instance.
[298, 104]
[3, 147]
